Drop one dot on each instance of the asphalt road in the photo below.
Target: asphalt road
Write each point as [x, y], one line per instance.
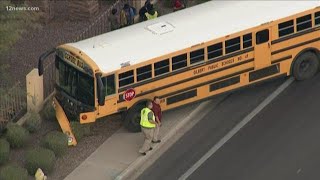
[281, 142]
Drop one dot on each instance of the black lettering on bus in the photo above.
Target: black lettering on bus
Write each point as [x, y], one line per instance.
[230, 61]
[213, 66]
[198, 71]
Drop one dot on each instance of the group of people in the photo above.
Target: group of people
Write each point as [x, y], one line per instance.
[128, 13]
[150, 123]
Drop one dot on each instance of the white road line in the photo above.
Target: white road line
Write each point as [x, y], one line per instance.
[236, 128]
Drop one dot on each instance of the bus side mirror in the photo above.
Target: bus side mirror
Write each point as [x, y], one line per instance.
[42, 58]
[100, 91]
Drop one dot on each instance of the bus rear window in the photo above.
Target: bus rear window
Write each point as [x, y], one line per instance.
[215, 50]
[304, 22]
[317, 18]
[144, 72]
[126, 78]
[179, 62]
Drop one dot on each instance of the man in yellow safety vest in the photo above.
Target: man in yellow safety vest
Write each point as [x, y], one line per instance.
[148, 124]
[151, 13]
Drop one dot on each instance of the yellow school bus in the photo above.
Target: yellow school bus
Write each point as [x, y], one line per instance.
[184, 57]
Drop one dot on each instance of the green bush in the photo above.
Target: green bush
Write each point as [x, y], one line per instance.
[57, 142]
[33, 123]
[4, 151]
[80, 130]
[40, 158]
[13, 172]
[48, 112]
[16, 135]
[86, 129]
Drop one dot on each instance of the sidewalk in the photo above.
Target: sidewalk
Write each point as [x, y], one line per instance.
[121, 150]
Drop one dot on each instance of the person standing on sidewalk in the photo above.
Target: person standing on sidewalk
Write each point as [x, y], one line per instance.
[151, 12]
[156, 108]
[148, 124]
[113, 20]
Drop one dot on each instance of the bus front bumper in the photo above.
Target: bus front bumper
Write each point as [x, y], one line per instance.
[64, 123]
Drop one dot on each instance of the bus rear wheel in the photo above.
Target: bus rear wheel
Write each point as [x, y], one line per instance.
[306, 66]
[132, 118]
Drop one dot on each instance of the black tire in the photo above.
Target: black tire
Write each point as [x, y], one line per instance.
[132, 118]
[306, 66]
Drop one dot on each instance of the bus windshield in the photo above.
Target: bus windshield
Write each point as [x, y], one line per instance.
[75, 83]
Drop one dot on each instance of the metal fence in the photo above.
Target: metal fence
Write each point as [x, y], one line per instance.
[13, 103]
[101, 24]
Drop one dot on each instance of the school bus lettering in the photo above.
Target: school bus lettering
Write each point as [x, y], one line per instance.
[213, 66]
[198, 71]
[230, 61]
[74, 60]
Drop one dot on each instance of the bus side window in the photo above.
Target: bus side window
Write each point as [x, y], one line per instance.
[179, 62]
[262, 36]
[247, 40]
[304, 22]
[144, 72]
[196, 56]
[109, 84]
[286, 28]
[126, 78]
[232, 45]
[161, 67]
[215, 50]
[317, 18]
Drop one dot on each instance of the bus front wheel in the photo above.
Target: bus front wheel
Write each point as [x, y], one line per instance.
[132, 118]
[306, 66]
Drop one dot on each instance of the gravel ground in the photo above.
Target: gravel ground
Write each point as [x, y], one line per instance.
[100, 132]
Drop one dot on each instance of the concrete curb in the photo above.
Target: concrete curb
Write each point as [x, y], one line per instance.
[134, 169]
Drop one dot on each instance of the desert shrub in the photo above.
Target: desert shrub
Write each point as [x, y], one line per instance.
[57, 142]
[86, 129]
[80, 130]
[13, 172]
[4, 151]
[16, 135]
[33, 123]
[40, 158]
[48, 112]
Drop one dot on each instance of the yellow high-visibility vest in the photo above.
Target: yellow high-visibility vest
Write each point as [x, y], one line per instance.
[144, 122]
[149, 16]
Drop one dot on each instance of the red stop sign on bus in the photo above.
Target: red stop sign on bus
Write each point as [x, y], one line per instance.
[129, 94]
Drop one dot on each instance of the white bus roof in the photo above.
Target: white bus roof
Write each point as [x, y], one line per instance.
[191, 26]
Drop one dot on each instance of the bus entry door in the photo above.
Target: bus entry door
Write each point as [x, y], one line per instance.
[262, 54]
